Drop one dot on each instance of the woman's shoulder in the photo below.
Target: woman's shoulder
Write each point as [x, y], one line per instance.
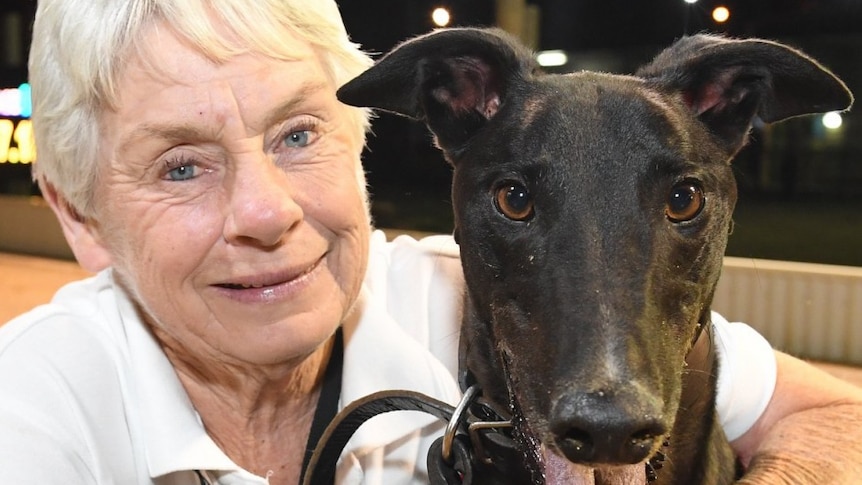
[62, 378]
[415, 257]
[73, 330]
[416, 276]
[419, 284]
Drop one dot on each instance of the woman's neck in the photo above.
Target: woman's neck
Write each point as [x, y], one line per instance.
[259, 416]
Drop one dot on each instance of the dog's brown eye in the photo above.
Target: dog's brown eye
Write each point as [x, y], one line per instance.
[514, 201]
[684, 202]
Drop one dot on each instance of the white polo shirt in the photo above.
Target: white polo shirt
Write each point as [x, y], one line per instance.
[88, 397]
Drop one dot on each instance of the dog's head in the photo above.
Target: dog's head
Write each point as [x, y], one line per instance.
[592, 211]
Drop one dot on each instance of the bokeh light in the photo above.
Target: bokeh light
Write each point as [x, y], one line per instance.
[720, 14]
[441, 17]
[832, 120]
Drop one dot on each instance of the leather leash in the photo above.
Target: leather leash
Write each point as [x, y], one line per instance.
[474, 450]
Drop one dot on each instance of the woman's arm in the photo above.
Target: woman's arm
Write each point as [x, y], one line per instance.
[810, 433]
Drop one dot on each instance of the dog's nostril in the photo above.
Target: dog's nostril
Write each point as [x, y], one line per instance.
[641, 444]
[577, 445]
[580, 439]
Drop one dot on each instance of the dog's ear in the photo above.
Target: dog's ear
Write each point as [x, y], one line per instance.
[727, 82]
[454, 80]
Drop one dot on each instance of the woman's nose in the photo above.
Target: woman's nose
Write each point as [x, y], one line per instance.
[261, 207]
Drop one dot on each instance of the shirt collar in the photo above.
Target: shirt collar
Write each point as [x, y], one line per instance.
[173, 435]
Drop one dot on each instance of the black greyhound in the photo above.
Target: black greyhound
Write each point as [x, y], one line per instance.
[592, 211]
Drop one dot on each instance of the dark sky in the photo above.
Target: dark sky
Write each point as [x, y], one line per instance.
[611, 23]
[574, 24]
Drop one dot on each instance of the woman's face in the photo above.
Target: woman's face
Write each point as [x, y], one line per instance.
[228, 201]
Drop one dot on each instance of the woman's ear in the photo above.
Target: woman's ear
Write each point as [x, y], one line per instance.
[81, 234]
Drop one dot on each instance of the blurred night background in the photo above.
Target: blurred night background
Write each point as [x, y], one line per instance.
[800, 181]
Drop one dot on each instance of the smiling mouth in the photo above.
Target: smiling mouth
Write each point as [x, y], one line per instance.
[272, 280]
[232, 286]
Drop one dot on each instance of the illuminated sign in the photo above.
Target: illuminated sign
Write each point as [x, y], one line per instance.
[16, 142]
[16, 136]
[16, 101]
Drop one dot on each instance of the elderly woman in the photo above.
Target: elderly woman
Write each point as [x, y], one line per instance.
[199, 163]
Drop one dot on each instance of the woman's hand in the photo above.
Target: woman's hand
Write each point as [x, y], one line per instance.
[811, 432]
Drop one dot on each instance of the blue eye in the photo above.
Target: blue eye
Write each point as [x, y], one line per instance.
[297, 139]
[182, 172]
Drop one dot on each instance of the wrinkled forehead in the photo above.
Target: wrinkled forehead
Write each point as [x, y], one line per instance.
[171, 63]
[219, 43]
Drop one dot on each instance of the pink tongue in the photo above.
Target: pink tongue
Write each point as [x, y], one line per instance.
[560, 471]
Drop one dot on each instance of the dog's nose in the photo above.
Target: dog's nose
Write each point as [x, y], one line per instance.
[598, 427]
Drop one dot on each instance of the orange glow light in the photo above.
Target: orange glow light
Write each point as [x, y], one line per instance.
[720, 14]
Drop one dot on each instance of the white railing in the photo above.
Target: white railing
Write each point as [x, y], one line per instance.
[809, 310]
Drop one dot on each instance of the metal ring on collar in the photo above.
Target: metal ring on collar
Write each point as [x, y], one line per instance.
[455, 422]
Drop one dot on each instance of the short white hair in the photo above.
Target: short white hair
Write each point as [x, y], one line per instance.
[80, 48]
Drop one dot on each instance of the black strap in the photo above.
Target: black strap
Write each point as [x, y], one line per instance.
[327, 403]
[321, 467]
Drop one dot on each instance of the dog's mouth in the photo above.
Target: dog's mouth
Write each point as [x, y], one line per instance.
[548, 467]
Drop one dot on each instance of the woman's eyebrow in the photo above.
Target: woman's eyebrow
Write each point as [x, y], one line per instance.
[170, 132]
[184, 132]
[284, 110]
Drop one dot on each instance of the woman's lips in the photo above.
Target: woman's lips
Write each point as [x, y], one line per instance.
[267, 287]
